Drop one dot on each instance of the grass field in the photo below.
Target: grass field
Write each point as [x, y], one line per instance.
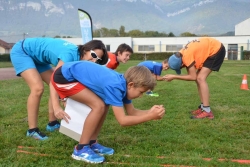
[176, 140]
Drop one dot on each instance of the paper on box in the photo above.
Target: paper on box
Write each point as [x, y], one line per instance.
[78, 113]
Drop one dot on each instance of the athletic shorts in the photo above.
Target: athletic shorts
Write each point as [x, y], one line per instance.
[65, 88]
[214, 62]
[22, 61]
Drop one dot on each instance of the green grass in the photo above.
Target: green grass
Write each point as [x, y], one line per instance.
[176, 138]
[5, 64]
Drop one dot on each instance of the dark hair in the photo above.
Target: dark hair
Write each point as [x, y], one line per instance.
[91, 45]
[123, 48]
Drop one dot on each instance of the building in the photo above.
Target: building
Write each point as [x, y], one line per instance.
[5, 47]
[243, 28]
[234, 45]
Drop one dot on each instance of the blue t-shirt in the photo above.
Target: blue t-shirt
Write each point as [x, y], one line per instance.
[154, 67]
[108, 84]
[50, 50]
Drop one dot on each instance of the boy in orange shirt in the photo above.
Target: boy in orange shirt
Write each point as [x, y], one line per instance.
[122, 54]
[200, 57]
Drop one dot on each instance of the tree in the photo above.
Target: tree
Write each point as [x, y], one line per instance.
[171, 34]
[122, 32]
[135, 33]
[113, 33]
[187, 34]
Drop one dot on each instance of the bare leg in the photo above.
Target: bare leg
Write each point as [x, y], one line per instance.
[98, 129]
[203, 86]
[95, 116]
[35, 83]
[46, 78]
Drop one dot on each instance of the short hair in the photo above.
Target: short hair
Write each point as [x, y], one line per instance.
[94, 44]
[123, 48]
[140, 76]
[165, 61]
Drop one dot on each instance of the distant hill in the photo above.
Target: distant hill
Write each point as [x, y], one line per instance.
[57, 17]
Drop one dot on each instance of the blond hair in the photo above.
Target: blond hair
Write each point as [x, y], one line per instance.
[140, 76]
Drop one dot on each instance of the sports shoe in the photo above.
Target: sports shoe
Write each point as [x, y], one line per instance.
[37, 135]
[196, 112]
[53, 128]
[203, 114]
[87, 154]
[102, 150]
[152, 94]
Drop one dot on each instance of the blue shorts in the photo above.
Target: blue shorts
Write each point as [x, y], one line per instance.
[22, 61]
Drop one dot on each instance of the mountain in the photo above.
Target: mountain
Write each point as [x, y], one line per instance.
[33, 18]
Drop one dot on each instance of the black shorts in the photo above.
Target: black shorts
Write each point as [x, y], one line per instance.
[214, 62]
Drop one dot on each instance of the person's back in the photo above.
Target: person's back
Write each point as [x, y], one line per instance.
[50, 50]
[105, 82]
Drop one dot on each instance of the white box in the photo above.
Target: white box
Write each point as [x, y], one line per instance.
[78, 113]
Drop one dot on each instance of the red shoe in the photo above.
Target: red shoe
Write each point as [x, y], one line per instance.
[204, 114]
[196, 112]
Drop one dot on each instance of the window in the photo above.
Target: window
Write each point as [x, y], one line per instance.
[146, 48]
[108, 47]
[173, 48]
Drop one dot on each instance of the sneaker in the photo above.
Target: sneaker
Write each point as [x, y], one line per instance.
[149, 93]
[204, 114]
[37, 135]
[102, 150]
[196, 112]
[53, 128]
[87, 154]
[152, 94]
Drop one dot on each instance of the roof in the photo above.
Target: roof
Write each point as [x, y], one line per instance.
[5, 45]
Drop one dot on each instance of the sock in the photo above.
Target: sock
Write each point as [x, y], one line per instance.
[92, 142]
[52, 123]
[206, 108]
[80, 146]
[201, 106]
[32, 130]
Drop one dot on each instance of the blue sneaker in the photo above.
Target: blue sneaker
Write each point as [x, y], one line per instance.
[102, 150]
[53, 128]
[37, 135]
[88, 155]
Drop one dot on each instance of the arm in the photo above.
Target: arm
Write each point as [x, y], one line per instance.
[191, 76]
[58, 111]
[159, 78]
[135, 116]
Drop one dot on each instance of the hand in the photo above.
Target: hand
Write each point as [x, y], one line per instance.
[157, 112]
[60, 114]
[168, 77]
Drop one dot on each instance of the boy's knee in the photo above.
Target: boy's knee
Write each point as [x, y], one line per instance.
[200, 79]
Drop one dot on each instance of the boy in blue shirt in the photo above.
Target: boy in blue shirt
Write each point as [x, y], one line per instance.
[156, 69]
[98, 87]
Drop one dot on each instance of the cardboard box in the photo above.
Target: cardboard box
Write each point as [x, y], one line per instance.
[78, 113]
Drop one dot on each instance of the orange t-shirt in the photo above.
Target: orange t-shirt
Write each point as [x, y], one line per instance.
[112, 61]
[199, 50]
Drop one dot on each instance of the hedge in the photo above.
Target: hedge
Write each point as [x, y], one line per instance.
[246, 55]
[5, 58]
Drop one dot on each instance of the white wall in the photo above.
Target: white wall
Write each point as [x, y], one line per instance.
[160, 43]
[243, 28]
[114, 42]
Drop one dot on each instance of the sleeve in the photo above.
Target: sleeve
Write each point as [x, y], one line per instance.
[67, 55]
[114, 96]
[157, 70]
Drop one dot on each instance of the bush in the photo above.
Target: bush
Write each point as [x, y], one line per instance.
[5, 57]
[246, 55]
[150, 56]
